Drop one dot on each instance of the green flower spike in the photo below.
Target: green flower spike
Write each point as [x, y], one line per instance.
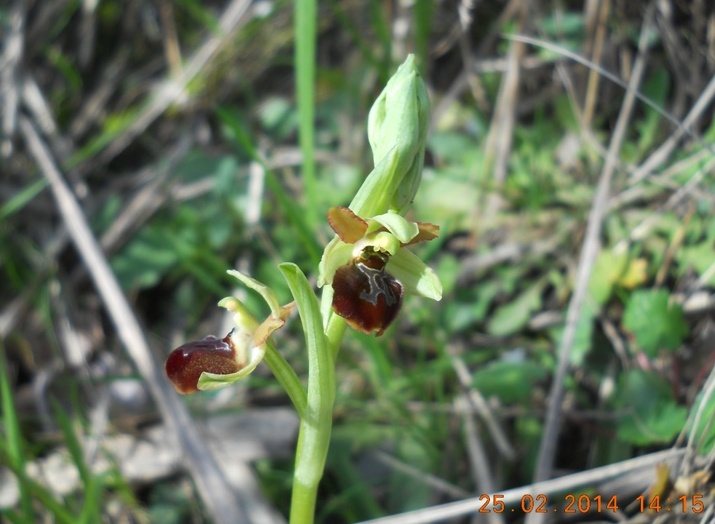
[370, 271]
[213, 363]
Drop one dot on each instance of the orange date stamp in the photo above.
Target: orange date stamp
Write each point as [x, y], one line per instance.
[583, 503]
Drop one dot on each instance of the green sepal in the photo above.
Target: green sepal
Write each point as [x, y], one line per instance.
[267, 293]
[416, 277]
[375, 193]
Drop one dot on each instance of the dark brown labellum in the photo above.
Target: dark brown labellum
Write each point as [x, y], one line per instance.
[186, 363]
[366, 296]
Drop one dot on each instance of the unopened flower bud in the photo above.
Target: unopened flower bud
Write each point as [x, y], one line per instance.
[397, 132]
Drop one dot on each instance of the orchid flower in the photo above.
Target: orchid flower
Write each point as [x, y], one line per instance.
[370, 271]
[213, 363]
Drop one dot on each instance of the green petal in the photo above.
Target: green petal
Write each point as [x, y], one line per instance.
[337, 253]
[396, 224]
[415, 275]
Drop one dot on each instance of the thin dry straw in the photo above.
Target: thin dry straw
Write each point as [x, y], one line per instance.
[589, 250]
[512, 498]
[681, 126]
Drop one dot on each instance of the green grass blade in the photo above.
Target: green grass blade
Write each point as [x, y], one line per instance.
[73, 444]
[12, 444]
[424, 11]
[39, 492]
[91, 508]
[199, 12]
[381, 26]
[362, 43]
[295, 213]
[305, 36]
[17, 202]
[12, 516]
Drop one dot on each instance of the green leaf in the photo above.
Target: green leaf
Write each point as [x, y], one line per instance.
[450, 146]
[92, 484]
[34, 489]
[74, 446]
[445, 195]
[143, 261]
[647, 128]
[583, 339]
[654, 427]
[558, 25]
[513, 316]
[13, 457]
[607, 270]
[655, 322]
[510, 381]
[529, 430]
[237, 130]
[700, 258]
[201, 13]
[448, 270]
[650, 414]
[278, 117]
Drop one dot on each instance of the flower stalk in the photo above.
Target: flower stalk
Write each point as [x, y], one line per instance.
[364, 272]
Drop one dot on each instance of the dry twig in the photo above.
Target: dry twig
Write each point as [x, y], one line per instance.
[218, 495]
[589, 251]
[636, 473]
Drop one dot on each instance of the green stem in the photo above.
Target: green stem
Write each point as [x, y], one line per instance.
[312, 449]
[317, 421]
[334, 332]
[286, 377]
[302, 506]
[314, 435]
[334, 325]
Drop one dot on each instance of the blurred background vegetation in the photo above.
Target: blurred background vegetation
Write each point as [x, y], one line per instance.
[174, 124]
